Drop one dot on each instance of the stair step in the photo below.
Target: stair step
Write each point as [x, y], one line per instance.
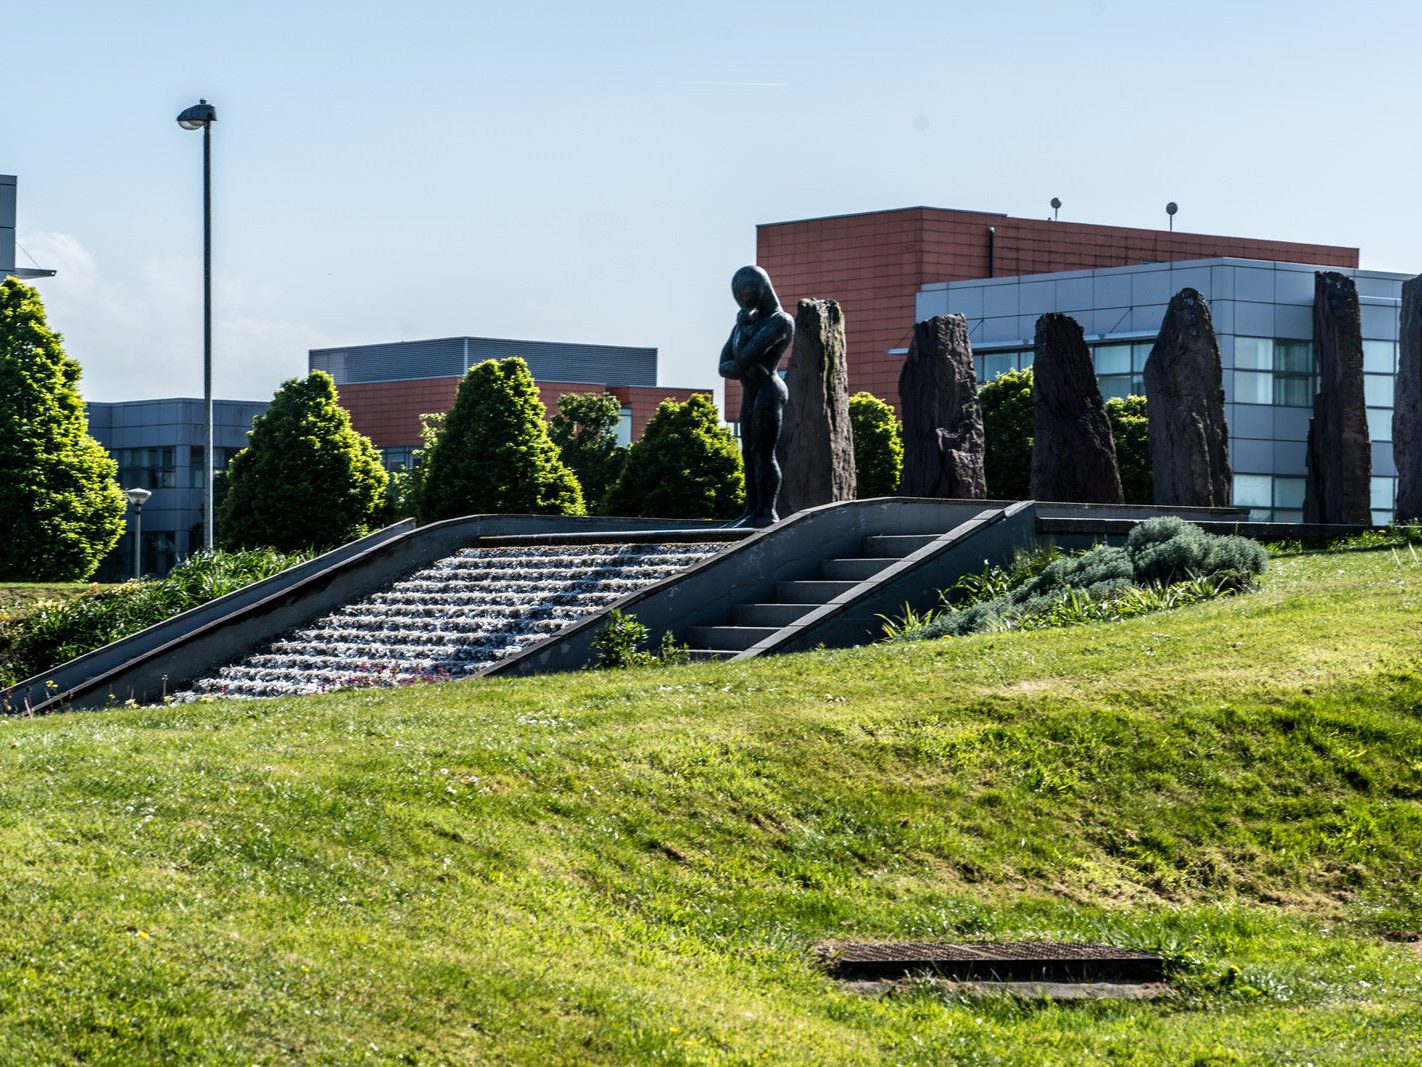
[769, 614]
[810, 592]
[897, 545]
[729, 638]
[709, 653]
[854, 569]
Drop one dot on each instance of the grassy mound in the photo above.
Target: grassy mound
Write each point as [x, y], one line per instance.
[629, 867]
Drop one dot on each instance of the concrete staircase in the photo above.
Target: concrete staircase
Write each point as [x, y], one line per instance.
[751, 623]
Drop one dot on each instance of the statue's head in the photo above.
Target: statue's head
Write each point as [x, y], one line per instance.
[752, 289]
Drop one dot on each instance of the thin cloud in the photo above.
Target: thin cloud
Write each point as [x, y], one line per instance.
[137, 332]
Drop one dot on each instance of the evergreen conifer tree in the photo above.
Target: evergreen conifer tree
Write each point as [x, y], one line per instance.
[1006, 404]
[61, 507]
[493, 454]
[686, 466]
[1130, 426]
[306, 479]
[878, 446]
[585, 431]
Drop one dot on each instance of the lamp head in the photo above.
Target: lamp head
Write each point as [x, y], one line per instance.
[137, 497]
[199, 115]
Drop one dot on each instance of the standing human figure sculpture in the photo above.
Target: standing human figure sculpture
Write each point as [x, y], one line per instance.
[751, 356]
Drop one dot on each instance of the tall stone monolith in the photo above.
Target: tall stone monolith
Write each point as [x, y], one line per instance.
[1189, 441]
[943, 425]
[1407, 405]
[816, 445]
[1340, 463]
[1073, 453]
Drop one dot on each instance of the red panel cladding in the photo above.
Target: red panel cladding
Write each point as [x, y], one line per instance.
[389, 412]
[645, 399]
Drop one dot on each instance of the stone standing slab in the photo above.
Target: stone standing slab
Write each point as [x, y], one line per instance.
[816, 443]
[943, 423]
[1407, 405]
[1073, 452]
[1189, 440]
[1340, 464]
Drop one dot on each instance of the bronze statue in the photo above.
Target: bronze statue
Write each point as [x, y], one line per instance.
[751, 356]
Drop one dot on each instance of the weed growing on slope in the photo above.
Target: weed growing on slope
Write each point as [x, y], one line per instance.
[619, 644]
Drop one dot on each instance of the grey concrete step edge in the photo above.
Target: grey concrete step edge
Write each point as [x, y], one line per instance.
[896, 545]
[855, 568]
[952, 539]
[32, 694]
[668, 537]
[729, 637]
[779, 613]
[813, 590]
[1261, 531]
[140, 653]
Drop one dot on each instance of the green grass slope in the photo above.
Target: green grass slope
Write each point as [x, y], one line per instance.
[630, 867]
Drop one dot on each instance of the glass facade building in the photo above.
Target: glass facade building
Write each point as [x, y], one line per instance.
[1263, 317]
[159, 446]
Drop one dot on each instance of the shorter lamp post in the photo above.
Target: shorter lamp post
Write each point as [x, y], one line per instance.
[137, 497]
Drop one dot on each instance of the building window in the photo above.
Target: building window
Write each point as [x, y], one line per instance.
[1119, 369]
[158, 555]
[624, 427]
[1255, 492]
[147, 468]
[397, 459]
[1268, 371]
[1383, 492]
[1378, 388]
[224, 457]
[1288, 497]
[1380, 357]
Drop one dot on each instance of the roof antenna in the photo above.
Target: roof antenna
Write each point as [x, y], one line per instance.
[1056, 207]
[1170, 209]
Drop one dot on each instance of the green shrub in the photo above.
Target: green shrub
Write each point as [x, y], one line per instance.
[1130, 427]
[619, 644]
[61, 507]
[56, 632]
[307, 479]
[1168, 549]
[1006, 403]
[493, 454]
[1165, 563]
[686, 466]
[878, 446]
[585, 431]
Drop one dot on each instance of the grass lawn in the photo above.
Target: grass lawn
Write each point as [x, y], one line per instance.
[16, 598]
[630, 867]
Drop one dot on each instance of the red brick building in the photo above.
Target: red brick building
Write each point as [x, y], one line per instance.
[387, 387]
[874, 263]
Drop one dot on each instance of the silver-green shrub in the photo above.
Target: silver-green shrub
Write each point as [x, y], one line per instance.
[1159, 555]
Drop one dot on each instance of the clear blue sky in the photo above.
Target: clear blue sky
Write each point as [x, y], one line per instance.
[595, 171]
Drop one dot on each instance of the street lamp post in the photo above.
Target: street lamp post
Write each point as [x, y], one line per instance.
[137, 497]
[201, 116]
